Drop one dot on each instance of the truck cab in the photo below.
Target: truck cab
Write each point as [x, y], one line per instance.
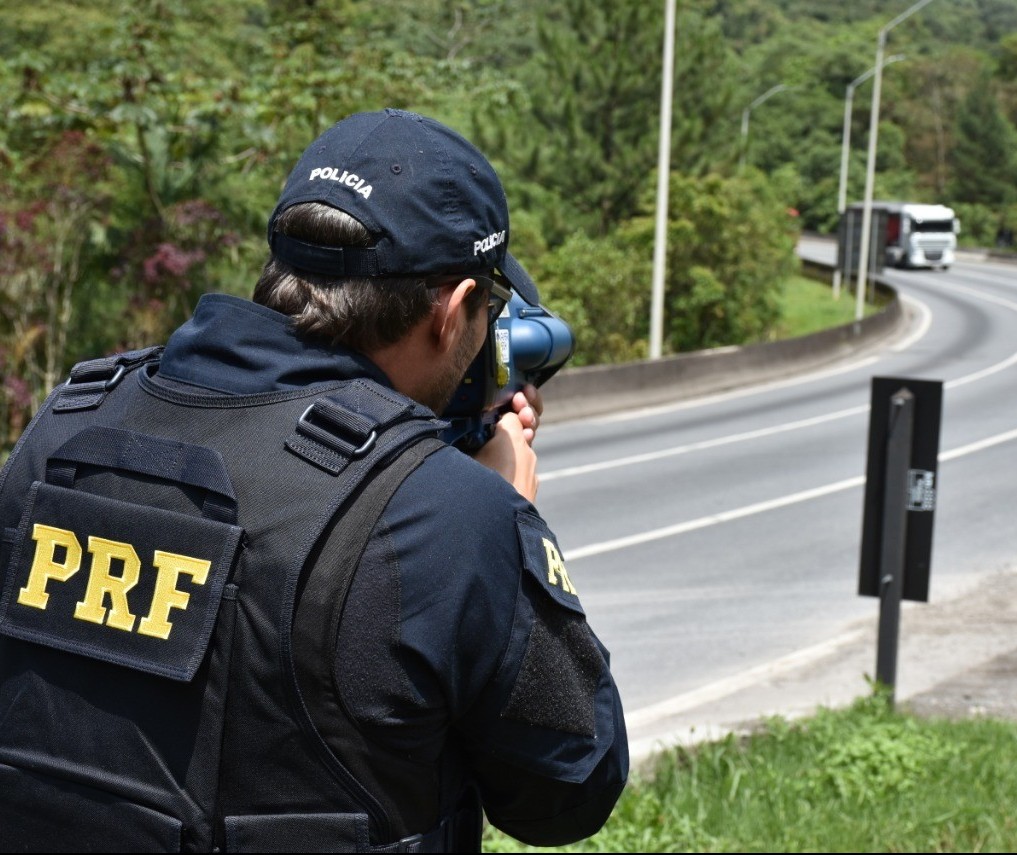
[918, 235]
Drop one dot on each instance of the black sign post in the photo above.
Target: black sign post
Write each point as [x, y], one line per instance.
[900, 498]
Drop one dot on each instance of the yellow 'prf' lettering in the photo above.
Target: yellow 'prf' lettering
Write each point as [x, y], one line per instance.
[556, 568]
[166, 595]
[102, 583]
[46, 567]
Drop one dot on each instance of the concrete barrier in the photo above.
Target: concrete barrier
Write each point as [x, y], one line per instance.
[599, 389]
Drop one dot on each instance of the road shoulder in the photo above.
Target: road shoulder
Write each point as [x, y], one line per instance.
[957, 658]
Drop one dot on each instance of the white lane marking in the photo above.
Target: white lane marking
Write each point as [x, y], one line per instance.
[992, 279]
[761, 507]
[980, 375]
[720, 397]
[989, 298]
[711, 519]
[654, 713]
[981, 445]
[978, 295]
[729, 685]
[999, 366]
[924, 323]
[651, 456]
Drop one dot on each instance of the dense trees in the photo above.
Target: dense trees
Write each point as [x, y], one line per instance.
[143, 142]
[984, 156]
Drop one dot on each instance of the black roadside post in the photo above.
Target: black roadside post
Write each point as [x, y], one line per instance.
[895, 525]
[900, 498]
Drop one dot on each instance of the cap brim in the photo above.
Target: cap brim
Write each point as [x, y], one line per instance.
[520, 280]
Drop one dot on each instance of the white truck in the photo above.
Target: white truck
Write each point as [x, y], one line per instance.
[917, 235]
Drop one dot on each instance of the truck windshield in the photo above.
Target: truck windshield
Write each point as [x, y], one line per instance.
[932, 226]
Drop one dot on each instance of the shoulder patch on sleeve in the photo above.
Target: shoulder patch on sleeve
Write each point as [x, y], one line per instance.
[542, 559]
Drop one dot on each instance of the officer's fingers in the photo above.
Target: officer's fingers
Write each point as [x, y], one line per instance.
[513, 428]
[508, 453]
[529, 415]
[529, 422]
[509, 423]
[532, 394]
[524, 464]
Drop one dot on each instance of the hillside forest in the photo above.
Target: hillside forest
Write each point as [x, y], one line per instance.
[143, 144]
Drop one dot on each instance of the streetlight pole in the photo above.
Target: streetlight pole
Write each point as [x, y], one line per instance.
[845, 149]
[780, 87]
[870, 170]
[663, 184]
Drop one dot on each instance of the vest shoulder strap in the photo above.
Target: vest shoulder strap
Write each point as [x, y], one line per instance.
[316, 628]
[363, 420]
[90, 382]
[321, 602]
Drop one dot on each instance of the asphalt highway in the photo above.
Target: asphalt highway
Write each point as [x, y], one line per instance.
[715, 542]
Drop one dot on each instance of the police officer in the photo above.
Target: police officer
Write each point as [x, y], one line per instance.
[251, 602]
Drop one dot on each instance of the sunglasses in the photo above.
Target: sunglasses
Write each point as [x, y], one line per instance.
[499, 295]
[499, 291]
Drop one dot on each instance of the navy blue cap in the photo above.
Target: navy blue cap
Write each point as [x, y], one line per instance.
[430, 199]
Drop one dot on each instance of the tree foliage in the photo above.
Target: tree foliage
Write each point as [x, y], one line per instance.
[585, 118]
[984, 156]
[50, 214]
[143, 143]
[580, 124]
[600, 287]
[730, 243]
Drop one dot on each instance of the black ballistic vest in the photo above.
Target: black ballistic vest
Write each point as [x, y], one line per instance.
[153, 543]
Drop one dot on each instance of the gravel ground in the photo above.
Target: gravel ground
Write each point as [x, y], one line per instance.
[978, 685]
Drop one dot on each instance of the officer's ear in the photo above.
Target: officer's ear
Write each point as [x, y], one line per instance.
[450, 320]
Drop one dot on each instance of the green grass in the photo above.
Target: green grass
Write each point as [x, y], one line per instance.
[863, 779]
[807, 306]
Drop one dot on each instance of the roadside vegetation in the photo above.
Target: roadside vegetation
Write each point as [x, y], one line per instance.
[862, 779]
[807, 306]
[143, 143]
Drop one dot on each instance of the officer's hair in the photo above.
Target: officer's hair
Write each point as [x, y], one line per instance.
[361, 313]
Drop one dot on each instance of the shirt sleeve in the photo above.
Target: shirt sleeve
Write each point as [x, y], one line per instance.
[490, 650]
[547, 735]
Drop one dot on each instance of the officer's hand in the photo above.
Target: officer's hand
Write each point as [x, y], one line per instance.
[529, 406]
[508, 453]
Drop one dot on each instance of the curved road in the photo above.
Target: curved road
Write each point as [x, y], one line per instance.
[713, 538]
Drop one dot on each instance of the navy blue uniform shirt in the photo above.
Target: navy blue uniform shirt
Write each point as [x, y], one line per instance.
[463, 647]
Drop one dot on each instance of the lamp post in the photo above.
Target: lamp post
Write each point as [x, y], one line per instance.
[780, 87]
[663, 184]
[845, 149]
[870, 171]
